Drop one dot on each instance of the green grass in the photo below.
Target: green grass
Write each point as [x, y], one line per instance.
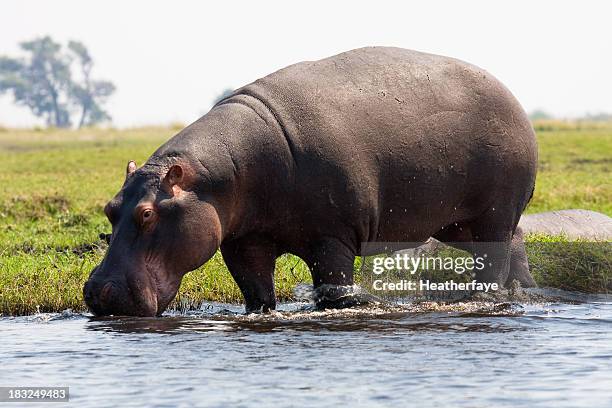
[55, 184]
[574, 168]
[578, 265]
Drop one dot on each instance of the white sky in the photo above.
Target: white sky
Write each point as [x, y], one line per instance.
[170, 59]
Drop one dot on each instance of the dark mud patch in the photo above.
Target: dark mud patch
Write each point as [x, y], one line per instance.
[80, 249]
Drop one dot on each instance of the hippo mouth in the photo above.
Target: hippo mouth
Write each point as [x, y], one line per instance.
[97, 297]
[118, 299]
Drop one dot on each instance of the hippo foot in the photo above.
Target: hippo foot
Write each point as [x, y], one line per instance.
[259, 309]
[341, 297]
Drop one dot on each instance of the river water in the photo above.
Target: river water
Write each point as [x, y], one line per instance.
[478, 354]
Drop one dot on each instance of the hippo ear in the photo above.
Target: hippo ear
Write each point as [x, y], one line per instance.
[180, 176]
[174, 179]
[131, 167]
[174, 175]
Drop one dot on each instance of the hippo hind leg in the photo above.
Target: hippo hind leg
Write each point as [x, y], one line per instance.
[331, 264]
[505, 250]
[519, 266]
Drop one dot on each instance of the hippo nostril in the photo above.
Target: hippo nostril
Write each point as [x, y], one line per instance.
[105, 292]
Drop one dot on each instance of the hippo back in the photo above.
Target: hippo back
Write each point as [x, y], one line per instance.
[375, 125]
[574, 224]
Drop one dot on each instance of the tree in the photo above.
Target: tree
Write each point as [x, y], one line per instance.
[539, 114]
[89, 94]
[44, 83]
[40, 83]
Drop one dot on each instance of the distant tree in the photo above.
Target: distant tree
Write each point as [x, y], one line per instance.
[40, 83]
[44, 83]
[539, 114]
[89, 94]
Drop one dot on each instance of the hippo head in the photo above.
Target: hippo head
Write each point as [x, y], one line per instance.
[163, 226]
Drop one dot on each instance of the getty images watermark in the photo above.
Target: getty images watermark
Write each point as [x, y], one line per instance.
[424, 268]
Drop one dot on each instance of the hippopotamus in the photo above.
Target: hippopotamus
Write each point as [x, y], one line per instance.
[574, 224]
[375, 144]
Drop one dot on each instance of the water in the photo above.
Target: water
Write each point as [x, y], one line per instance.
[465, 355]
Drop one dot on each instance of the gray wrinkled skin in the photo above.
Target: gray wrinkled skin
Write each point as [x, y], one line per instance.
[374, 144]
[581, 224]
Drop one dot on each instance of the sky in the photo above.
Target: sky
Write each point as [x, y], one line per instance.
[171, 59]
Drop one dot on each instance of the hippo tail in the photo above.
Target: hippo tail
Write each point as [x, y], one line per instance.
[524, 207]
[530, 197]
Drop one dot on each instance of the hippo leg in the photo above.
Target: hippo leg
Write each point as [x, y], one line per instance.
[492, 239]
[519, 267]
[485, 235]
[460, 236]
[331, 264]
[251, 261]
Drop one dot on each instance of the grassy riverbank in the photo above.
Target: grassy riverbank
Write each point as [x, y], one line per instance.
[56, 182]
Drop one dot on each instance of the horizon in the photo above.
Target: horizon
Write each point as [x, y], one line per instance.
[172, 64]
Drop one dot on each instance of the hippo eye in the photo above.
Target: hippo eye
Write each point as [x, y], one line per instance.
[147, 214]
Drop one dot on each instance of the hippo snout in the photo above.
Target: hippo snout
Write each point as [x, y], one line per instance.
[97, 295]
[107, 294]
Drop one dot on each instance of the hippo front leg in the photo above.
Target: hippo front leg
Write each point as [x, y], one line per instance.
[251, 261]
